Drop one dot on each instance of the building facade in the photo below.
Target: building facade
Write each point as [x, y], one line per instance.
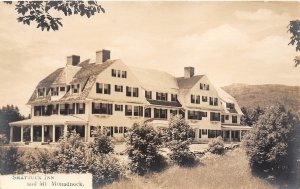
[109, 94]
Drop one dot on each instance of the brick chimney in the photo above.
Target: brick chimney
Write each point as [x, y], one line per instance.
[189, 72]
[73, 60]
[102, 56]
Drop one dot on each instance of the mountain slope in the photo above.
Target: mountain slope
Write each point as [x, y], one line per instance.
[266, 95]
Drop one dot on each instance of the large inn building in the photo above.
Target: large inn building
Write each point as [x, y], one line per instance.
[109, 94]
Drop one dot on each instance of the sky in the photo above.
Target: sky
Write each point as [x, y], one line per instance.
[230, 42]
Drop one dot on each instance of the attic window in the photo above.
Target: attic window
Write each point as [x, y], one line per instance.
[204, 86]
[41, 92]
[118, 73]
[124, 74]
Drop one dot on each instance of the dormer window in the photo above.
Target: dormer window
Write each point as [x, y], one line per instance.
[230, 105]
[162, 96]
[173, 97]
[75, 88]
[54, 91]
[41, 92]
[148, 95]
[62, 89]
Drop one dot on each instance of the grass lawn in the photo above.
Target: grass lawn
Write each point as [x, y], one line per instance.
[228, 171]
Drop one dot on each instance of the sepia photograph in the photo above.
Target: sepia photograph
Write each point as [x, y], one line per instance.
[150, 94]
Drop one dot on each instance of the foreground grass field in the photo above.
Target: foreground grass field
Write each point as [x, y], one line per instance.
[222, 172]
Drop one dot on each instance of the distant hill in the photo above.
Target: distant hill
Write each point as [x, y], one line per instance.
[266, 95]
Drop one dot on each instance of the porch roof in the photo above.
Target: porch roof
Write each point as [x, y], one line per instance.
[51, 120]
[235, 127]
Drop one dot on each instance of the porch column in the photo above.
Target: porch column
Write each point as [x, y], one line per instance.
[53, 133]
[230, 135]
[31, 133]
[240, 135]
[43, 129]
[86, 133]
[75, 108]
[11, 134]
[22, 127]
[65, 130]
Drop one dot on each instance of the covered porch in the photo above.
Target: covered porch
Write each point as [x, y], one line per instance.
[234, 133]
[47, 129]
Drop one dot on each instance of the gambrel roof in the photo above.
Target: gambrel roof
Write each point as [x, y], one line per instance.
[188, 83]
[155, 80]
[84, 74]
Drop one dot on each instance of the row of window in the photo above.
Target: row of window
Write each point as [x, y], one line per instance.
[161, 96]
[54, 91]
[210, 133]
[226, 117]
[195, 99]
[103, 88]
[63, 109]
[118, 73]
[130, 110]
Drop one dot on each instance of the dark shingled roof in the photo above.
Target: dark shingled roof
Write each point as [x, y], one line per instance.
[47, 82]
[164, 103]
[86, 77]
[188, 83]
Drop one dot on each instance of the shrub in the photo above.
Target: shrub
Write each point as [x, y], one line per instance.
[76, 157]
[105, 169]
[72, 154]
[143, 144]
[3, 139]
[38, 161]
[102, 143]
[267, 143]
[216, 146]
[178, 139]
[9, 160]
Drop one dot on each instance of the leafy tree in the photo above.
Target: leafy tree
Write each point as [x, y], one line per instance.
[143, 145]
[8, 114]
[294, 29]
[41, 12]
[102, 143]
[267, 143]
[251, 115]
[178, 139]
[216, 146]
